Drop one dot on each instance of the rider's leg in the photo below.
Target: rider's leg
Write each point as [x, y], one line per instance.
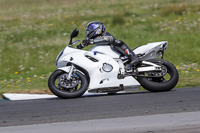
[124, 49]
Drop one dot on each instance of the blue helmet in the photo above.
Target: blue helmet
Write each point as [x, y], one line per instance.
[94, 28]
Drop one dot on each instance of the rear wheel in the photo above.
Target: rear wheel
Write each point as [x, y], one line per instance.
[159, 84]
[67, 88]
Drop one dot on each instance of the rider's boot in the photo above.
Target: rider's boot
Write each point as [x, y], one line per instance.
[134, 59]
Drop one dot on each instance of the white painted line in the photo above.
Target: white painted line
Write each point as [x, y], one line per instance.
[17, 96]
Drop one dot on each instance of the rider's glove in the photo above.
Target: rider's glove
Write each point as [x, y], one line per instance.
[79, 46]
[85, 43]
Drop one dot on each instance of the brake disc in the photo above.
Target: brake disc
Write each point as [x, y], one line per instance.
[65, 83]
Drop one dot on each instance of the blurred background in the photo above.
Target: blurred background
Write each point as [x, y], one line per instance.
[33, 32]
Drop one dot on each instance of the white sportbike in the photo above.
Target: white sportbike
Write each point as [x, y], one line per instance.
[103, 70]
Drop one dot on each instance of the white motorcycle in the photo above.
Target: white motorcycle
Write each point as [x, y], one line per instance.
[103, 70]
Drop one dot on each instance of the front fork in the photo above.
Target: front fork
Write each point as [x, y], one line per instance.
[70, 72]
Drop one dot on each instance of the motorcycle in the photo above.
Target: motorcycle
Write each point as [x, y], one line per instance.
[104, 70]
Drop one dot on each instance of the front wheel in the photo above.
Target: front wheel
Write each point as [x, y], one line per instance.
[67, 88]
[159, 84]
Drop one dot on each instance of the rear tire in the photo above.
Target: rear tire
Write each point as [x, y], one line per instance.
[161, 84]
[65, 93]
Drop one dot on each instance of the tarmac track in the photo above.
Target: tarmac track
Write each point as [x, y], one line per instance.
[20, 113]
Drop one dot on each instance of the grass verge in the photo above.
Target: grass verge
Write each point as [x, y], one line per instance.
[32, 33]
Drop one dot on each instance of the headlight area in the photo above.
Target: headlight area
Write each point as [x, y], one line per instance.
[61, 64]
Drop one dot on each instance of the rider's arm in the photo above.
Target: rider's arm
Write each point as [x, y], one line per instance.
[106, 39]
[103, 40]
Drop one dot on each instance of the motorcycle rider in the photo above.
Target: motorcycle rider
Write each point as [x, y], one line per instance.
[95, 34]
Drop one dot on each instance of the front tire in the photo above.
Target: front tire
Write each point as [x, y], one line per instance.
[161, 84]
[67, 92]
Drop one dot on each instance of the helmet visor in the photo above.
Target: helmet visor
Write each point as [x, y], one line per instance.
[91, 29]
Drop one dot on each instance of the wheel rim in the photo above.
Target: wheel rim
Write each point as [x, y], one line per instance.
[72, 85]
[166, 78]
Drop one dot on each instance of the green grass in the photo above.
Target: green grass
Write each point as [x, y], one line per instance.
[33, 32]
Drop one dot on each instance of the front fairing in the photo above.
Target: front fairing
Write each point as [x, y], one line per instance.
[60, 61]
[88, 60]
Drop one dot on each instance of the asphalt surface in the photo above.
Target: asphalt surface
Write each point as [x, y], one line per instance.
[187, 122]
[16, 113]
